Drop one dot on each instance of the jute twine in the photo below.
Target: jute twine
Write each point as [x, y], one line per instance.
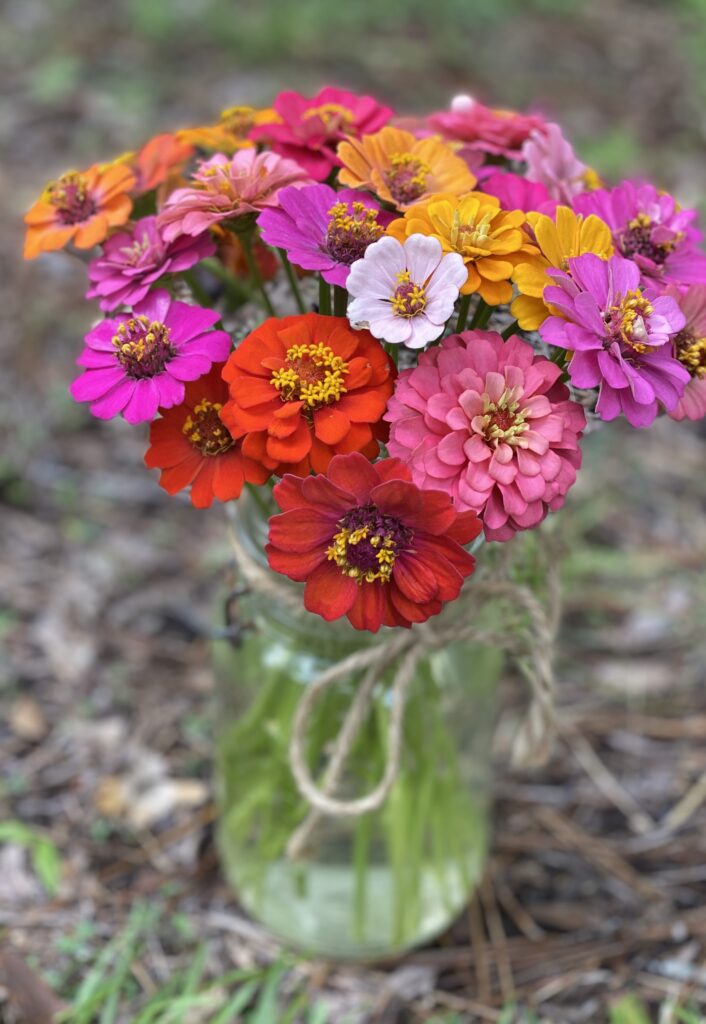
[528, 632]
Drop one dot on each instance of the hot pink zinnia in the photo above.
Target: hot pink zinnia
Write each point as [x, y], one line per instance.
[620, 340]
[551, 161]
[225, 188]
[517, 193]
[690, 345]
[498, 132]
[134, 260]
[137, 362]
[311, 128]
[650, 228]
[490, 422]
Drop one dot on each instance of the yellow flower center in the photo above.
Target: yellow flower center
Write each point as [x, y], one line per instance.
[502, 421]
[205, 430]
[691, 352]
[333, 116]
[407, 177]
[350, 234]
[367, 544]
[312, 374]
[70, 195]
[470, 236]
[238, 120]
[626, 322]
[143, 346]
[408, 299]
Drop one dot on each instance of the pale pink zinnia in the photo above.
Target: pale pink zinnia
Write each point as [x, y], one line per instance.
[226, 188]
[551, 161]
[491, 423]
[690, 345]
[405, 293]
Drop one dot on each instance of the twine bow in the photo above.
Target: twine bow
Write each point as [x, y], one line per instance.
[529, 637]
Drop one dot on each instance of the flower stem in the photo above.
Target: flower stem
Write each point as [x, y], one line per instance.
[481, 315]
[259, 500]
[236, 293]
[292, 278]
[324, 298]
[246, 240]
[463, 308]
[197, 289]
[340, 300]
[510, 329]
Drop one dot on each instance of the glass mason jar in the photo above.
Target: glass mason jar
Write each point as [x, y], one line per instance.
[366, 886]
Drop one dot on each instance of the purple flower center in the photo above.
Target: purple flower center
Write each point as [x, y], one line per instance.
[691, 352]
[407, 178]
[628, 322]
[367, 544]
[409, 299]
[70, 195]
[204, 429]
[143, 346]
[349, 234]
[638, 240]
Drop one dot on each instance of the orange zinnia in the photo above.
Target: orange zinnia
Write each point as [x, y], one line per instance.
[193, 448]
[79, 207]
[401, 168]
[306, 388]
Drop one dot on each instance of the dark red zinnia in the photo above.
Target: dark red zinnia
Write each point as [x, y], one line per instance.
[370, 544]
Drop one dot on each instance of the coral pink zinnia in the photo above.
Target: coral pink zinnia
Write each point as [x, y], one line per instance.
[690, 346]
[370, 544]
[226, 188]
[489, 422]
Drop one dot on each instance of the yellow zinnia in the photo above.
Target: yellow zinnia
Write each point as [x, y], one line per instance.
[231, 132]
[558, 240]
[490, 240]
[402, 169]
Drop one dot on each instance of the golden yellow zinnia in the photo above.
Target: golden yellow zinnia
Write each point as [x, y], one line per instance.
[558, 240]
[402, 169]
[490, 240]
[231, 132]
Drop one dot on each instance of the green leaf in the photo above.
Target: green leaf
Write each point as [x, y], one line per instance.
[629, 1010]
[44, 855]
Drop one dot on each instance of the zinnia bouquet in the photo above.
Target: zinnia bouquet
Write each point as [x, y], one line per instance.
[389, 335]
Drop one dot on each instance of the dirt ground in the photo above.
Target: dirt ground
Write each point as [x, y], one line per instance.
[596, 887]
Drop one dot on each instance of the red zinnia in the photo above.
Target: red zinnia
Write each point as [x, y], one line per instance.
[306, 388]
[370, 544]
[192, 446]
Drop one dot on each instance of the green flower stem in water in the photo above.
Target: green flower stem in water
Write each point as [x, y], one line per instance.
[463, 308]
[481, 315]
[324, 298]
[292, 278]
[340, 300]
[246, 238]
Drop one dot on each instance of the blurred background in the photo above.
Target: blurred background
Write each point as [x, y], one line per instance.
[107, 585]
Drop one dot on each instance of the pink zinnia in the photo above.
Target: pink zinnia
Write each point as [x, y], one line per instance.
[690, 345]
[312, 127]
[517, 193]
[322, 229]
[225, 188]
[134, 260]
[620, 340]
[498, 132]
[650, 228]
[552, 162]
[490, 422]
[137, 362]
[405, 293]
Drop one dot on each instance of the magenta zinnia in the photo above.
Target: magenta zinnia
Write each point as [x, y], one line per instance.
[490, 423]
[138, 362]
[690, 348]
[134, 260]
[619, 338]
